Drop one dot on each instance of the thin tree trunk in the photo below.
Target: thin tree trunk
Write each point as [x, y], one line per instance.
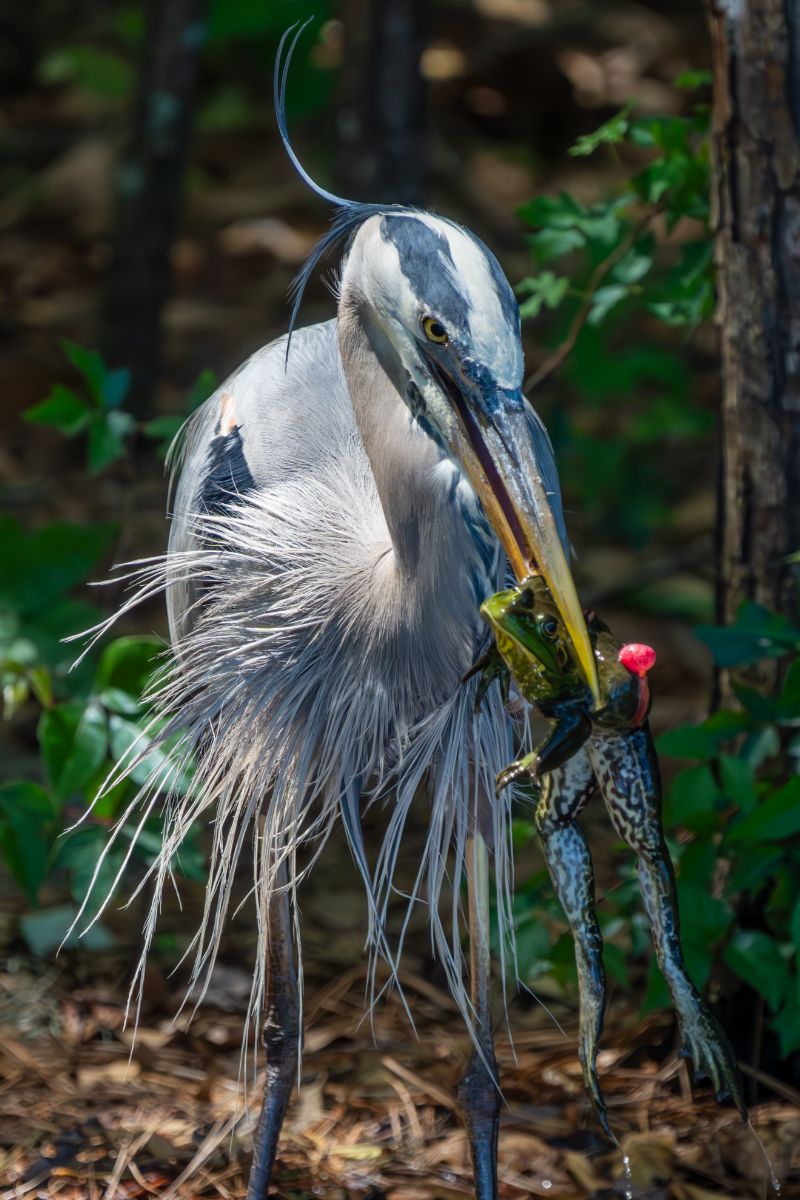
[149, 187]
[381, 126]
[756, 198]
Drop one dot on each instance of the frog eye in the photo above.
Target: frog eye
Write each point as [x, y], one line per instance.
[549, 627]
[434, 331]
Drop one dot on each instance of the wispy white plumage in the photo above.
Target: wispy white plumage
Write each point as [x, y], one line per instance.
[326, 562]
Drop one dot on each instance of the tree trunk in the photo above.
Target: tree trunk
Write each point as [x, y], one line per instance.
[149, 186]
[382, 101]
[756, 206]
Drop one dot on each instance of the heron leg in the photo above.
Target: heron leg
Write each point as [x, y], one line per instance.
[564, 793]
[627, 771]
[281, 1041]
[478, 1092]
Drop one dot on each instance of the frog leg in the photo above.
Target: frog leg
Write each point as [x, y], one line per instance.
[563, 795]
[491, 666]
[567, 734]
[626, 768]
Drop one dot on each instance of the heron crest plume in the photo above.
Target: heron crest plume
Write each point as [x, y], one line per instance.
[348, 214]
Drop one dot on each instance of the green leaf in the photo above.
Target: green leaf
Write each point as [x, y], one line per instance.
[120, 702]
[47, 930]
[115, 387]
[738, 781]
[605, 299]
[80, 852]
[89, 364]
[204, 386]
[153, 765]
[127, 665]
[40, 565]
[754, 869]
[546, 290]
[690, 80]
[761, 745]
[62, 409]
[633, 266]
[776, 817]
[92, 68]
[794, 926]
[787, 1026]
[548, 243]
[688, 741]
[609, 134]
[615, 963]
[756, 959]
[27, 830]
[756, 634]
[788, 705]
[164, 429]
[74, 742]
[693, 800]
[107, 435]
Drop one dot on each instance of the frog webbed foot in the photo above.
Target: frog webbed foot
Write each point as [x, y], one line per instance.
[490, 666]
[526, 767]
[591, 1082]
[706, 1045]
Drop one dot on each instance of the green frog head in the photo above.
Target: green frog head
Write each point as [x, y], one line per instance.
[534, 643]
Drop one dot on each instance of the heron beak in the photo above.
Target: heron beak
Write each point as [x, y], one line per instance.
[496, 453]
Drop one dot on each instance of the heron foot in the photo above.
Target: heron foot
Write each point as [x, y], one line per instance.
[480, 1102]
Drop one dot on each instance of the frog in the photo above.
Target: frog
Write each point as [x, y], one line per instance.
[603, 746]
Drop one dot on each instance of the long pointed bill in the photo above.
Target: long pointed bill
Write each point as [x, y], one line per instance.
[496, 454]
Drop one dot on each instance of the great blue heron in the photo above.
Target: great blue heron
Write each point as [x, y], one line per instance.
[343, 507]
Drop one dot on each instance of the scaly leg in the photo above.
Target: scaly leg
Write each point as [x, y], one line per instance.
[281, 1040]
[626, 768]
[563, 795]
[478, 1091]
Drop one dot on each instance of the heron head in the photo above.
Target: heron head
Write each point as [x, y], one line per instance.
[441, 317]
[443, 320]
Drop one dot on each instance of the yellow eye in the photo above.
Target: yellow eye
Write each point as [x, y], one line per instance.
[434, 330]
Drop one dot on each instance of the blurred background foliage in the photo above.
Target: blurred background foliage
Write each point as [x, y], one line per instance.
[573, 139]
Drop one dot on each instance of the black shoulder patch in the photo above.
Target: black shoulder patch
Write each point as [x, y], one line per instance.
[427, 264]
[227, 475]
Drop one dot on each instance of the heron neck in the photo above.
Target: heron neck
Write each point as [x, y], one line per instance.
[403, 459]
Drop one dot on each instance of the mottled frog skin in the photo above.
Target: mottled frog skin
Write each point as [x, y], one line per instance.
[609, 748]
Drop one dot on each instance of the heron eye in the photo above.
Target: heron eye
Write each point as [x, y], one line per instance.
[434, 330]
[549, 627]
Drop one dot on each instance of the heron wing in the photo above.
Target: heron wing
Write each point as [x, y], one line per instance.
[270, 420]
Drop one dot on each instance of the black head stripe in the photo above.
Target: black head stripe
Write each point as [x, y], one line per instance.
[427, 264]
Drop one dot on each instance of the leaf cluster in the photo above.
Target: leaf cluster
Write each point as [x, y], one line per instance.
[616, 283]
[88, 718]
[95, 408]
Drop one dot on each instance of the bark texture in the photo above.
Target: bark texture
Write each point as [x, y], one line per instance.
[149, 187]
[756, 205]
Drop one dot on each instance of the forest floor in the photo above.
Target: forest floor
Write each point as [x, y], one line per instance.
[87, 1112]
